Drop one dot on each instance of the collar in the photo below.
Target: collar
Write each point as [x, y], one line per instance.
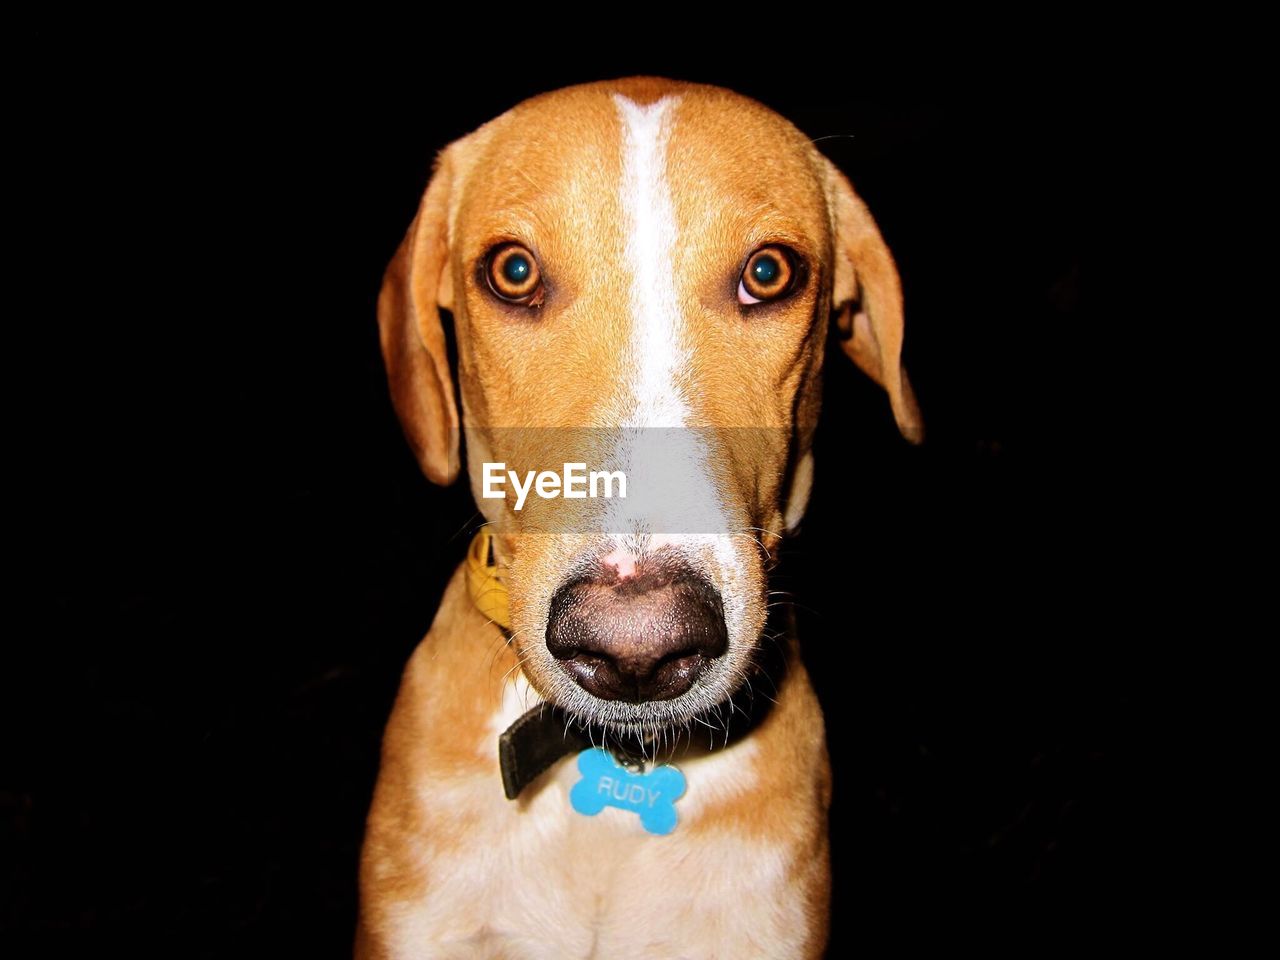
[546, 733]
[485, 582]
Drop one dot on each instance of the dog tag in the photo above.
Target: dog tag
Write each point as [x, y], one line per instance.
[605, 783]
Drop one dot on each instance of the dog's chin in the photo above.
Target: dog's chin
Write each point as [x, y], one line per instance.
[706, 703]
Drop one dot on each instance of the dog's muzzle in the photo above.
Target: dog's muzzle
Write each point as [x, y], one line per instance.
[643, 637]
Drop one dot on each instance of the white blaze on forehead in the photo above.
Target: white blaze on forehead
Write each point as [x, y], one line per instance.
[666, 464]
[671, 497]
[657, 353]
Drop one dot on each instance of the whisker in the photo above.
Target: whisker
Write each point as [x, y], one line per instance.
[467, 528]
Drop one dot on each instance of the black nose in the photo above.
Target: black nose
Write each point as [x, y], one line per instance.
[645, 637]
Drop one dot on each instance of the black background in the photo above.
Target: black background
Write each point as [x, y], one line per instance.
[236, 554]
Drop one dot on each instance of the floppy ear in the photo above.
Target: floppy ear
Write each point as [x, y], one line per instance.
[414, 288]
[867, 299]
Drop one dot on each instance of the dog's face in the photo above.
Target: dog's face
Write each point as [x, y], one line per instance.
[641, 275]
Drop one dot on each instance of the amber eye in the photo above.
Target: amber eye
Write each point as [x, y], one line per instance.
[513, 275]
[768, 275]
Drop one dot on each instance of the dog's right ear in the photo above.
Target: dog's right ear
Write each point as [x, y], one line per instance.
[416, 285]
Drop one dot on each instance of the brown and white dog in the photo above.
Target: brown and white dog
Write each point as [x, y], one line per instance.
[624, 255]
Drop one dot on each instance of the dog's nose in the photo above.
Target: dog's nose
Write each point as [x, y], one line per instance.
[647, 636]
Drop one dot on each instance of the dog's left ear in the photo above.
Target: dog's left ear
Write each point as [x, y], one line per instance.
[415, 287]
[866, 296]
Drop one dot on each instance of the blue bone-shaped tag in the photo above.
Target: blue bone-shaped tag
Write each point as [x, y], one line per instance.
[604, 783]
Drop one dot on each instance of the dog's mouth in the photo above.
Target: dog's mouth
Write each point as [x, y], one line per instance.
[708, 705]
[721, 703]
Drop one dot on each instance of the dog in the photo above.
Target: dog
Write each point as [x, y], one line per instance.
[604, 747]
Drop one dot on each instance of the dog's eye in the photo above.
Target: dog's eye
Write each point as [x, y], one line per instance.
[513, 275]
[769, 274]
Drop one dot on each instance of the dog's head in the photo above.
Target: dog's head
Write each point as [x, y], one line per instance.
[641, 275]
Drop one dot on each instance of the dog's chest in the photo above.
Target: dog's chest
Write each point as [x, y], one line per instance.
[534, 879]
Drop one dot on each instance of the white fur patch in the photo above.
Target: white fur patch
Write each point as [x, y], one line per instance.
[658, 353]
[518, 697]
[670, 488]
